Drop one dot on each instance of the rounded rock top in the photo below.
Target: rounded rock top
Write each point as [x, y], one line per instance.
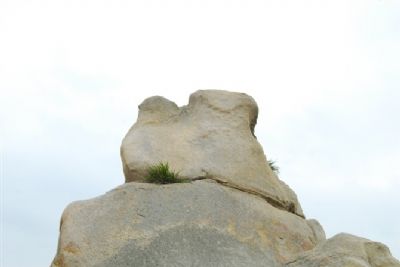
[211, 137]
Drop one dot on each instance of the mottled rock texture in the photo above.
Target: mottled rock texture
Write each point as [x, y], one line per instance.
[212, 137]
[190, 224]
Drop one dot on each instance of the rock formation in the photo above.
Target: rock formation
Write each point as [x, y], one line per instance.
[212, 137]
[234, 211]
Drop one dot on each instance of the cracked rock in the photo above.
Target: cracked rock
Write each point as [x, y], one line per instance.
[212, 136]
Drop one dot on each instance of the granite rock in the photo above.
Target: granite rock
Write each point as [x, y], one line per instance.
[212, 137]
[345, 250]
[201, 223]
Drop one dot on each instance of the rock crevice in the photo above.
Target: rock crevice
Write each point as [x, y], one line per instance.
[289, 207]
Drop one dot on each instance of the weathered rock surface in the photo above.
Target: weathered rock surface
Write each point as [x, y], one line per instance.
[344, 250]
[235, 211]
[192, 224]
[319, 233]
[212, 137]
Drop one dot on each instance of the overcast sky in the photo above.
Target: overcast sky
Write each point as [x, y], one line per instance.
[325, 75]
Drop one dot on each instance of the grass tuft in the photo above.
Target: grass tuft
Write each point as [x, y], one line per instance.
[161, 174]
[273, 166]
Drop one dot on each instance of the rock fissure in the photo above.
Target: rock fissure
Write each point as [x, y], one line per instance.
[270, 200]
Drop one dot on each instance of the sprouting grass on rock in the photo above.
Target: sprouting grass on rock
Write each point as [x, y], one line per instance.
[273, 166]
[161, 174]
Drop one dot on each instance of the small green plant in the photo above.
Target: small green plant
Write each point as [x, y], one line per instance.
[161, 174]
[272, 165]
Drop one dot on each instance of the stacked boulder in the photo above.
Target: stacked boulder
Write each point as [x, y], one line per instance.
[233, 211]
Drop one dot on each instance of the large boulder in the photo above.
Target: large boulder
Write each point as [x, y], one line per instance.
[232, 211]
[201, 223]
[344, 250]
[212, 137]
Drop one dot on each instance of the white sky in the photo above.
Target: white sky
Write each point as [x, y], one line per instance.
[324, 73]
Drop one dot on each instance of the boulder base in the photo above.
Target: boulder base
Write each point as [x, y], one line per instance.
[193, 224]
